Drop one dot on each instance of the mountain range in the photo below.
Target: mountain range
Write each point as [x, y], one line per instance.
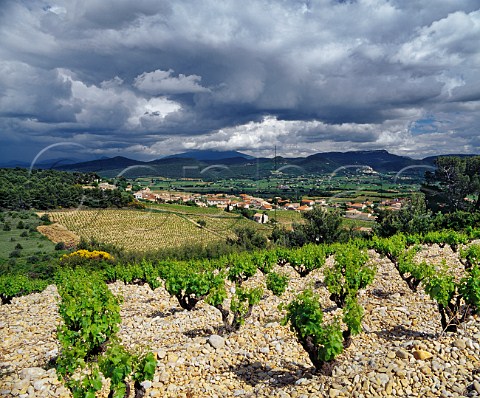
[233, 164]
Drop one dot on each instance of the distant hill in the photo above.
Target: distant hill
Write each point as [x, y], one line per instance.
[215, 164]
[48, 163]
[107, 166]
[210, 155]
[431, 159]
[380, 161]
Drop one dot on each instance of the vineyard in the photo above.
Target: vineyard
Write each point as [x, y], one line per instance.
[150, 230]
[133, 230]
[394, 316]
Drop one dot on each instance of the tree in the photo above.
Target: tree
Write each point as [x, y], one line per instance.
[412, 218]
[248, 238]
[453, 181]
[321, 226]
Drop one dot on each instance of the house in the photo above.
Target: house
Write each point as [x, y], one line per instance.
[357, 206]
[214, 201]
[150, 197]
[353, 213]
[356, 214]
[260, 218]
[292, 206]
[307, 202]
[146, 194]
[243, 205]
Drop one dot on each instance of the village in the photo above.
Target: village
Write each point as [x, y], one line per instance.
[353, 210]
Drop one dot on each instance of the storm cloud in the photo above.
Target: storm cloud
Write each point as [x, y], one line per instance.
[150, 78]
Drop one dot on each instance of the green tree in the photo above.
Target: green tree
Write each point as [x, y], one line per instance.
[321, 226]
[455, 179]
[248, 238]
[412, 218]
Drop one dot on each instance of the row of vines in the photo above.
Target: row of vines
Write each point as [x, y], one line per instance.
[90, 312]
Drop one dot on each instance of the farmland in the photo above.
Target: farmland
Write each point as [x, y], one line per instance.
[341, 187]
[149, 230]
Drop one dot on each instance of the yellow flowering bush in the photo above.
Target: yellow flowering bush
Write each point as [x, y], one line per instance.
[85, 256]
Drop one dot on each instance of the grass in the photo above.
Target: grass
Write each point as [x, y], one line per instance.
[285, 218]
[350, 222]
[31, 244]
[36, 252]
[177, 208]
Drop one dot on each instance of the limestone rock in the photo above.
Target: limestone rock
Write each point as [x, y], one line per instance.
[216, 341]
[402, 354]
[422, 355]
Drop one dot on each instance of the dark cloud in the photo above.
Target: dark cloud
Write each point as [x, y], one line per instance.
[154, 77]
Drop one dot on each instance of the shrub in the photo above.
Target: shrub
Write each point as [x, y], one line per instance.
[45, 219]
[277, 283]
[84, 258]
[352, 317]
[306, 259]
[470, 256]
[241, 267]
[349, 273]
[189, 285]
[322, 342]
[391, 247]
[33, 259]
[15, 254]
[118, 365]
[15, 285]
[241, 305]
[441, 287]
[264, 260]
[470, 288]
[60, 246]
[91, 317]
[90, 314]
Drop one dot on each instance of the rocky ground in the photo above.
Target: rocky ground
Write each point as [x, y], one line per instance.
[402, 351]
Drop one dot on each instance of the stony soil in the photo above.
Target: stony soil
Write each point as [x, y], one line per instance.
[402, 351]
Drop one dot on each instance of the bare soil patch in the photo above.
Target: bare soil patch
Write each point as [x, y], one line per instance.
[58, 233]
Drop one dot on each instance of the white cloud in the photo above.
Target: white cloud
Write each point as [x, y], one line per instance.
[447, 42]
[162, 82]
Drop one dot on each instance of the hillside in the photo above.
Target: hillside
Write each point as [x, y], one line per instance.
[206, 164]
[210, 155]
[262, 359]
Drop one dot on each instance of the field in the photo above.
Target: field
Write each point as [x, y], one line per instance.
[151, 229]
[342, 186]
[58, 233]
[20, 240]
[165, 225]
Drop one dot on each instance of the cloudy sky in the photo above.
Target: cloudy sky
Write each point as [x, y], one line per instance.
[147, 78]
